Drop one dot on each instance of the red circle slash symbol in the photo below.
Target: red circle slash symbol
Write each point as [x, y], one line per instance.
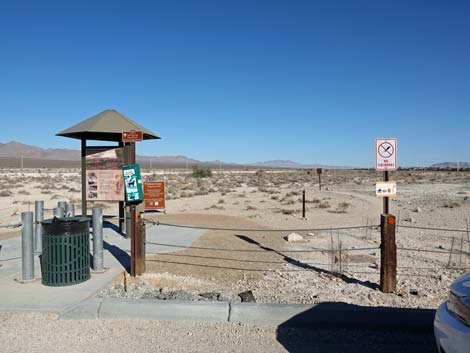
[386, 149]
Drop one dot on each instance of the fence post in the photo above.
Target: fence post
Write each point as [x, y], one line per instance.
[388, 254]
[62, 204]
[70, 210]
[27, 246]
[303, 204]
[38, 218]
[139, 244]
[58, 212]
[97, 224]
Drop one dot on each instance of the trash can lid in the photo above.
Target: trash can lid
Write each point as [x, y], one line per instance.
[59, 220]
[64, 226]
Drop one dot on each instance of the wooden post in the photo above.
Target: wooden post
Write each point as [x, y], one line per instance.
[131, 157]
[139, 245]
[121, 204]
[303, 204]
[319, 171]
[388, 254]
[83, 165]
[386, 199]
[133, 238]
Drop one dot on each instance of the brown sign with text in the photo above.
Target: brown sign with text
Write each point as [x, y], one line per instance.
[132, 136]
[154, 195]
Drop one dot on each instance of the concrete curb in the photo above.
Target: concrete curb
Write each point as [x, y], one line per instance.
[316, 315]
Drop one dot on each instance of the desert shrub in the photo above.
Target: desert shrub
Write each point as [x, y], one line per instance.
[5, 193]
[199, 172]
[343, 207]
[274, 197]
[324, 204]
[452, 204]
[259, 173]
[288, 201]
[221, 201]
[287, 211]
[251, 208]
[201, 192]
[216, 207]
[186, 194]
[24, 192]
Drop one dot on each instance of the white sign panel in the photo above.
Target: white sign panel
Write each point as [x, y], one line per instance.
[386, 154]
[386, 189]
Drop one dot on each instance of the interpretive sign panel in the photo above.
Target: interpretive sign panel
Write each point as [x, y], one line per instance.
[104, 180]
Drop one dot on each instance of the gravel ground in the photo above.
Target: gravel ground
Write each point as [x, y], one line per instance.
[36, 332]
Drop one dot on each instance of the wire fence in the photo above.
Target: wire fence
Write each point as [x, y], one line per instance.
[439, 258]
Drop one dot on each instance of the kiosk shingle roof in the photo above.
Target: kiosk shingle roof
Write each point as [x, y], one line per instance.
[106, 126]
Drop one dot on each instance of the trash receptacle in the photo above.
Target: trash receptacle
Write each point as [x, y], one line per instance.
[65, 251]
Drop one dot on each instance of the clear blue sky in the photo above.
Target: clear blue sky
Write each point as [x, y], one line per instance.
[244, 81]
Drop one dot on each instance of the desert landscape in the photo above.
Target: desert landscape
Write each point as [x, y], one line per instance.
[262, 208]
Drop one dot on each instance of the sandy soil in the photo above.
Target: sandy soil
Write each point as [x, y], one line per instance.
[274, 269]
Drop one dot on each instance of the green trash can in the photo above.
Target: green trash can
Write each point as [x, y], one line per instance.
[65, 251]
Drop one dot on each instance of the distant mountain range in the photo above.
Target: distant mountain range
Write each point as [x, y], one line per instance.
[35, 156]
[453, 165]
[279, 163]
[15, 150]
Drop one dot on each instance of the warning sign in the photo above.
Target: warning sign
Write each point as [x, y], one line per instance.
[386, 189]
[386, 154]
[154, 195]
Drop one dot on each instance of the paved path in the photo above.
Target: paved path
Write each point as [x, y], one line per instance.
[35, 296]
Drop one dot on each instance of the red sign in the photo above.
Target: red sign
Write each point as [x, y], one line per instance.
[154, 195]
[132, 136]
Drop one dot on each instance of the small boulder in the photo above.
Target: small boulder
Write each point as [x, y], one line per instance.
[247, 297]
[294, 238]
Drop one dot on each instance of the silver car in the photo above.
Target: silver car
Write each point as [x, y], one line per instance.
[452, 321]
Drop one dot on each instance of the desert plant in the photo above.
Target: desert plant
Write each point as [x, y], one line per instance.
[343, 207]
[199, 172]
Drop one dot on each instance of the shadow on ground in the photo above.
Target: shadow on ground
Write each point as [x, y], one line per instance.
[305, 266]
[120, 255]
[340, 327]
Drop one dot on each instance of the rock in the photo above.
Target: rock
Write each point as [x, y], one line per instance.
[311, 234]
[414, 292]
[247, 297]
[417, 209]
[294, 238]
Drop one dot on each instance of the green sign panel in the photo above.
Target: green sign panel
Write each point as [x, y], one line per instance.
[133, 184]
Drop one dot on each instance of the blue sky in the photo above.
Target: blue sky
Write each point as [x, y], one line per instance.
[244, 81]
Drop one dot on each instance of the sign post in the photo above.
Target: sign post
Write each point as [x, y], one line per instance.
[386, 160]
[319, 171]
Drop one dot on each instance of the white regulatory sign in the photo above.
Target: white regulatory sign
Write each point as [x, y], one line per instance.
[386, 189]
[386, 154]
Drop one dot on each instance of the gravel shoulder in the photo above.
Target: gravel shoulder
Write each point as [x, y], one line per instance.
[37, 333]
